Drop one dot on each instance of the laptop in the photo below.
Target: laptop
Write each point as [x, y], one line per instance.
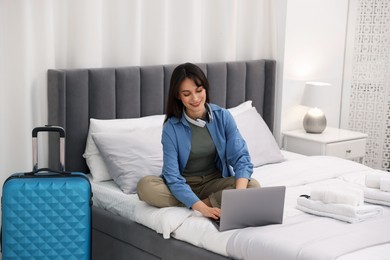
[251, 207]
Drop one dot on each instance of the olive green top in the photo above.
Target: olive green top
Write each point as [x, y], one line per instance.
[202, 156]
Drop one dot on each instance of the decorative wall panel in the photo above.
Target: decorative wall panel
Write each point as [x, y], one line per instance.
[369, 110]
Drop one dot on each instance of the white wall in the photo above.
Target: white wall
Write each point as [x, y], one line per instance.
[314, 51]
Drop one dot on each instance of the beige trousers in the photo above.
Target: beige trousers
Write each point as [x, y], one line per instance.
[155, 192]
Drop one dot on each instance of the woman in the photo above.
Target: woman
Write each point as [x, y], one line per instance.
[201, 145]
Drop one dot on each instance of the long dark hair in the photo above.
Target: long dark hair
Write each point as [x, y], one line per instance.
[180, 73]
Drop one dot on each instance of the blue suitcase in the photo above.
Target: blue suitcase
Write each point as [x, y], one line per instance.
[46, 214]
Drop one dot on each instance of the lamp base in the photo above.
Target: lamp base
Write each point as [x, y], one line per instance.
[314, 121]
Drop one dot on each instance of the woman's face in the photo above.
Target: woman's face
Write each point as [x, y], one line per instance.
[193, 98]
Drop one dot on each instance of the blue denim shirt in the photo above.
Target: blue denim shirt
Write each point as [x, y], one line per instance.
[232, 154]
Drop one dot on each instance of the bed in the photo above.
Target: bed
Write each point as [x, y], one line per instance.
[125, 228]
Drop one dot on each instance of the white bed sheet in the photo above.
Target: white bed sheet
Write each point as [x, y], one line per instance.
[109, 196]
[298, 173]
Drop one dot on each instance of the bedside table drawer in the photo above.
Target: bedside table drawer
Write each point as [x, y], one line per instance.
[348, 149]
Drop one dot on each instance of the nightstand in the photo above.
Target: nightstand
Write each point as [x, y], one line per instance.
[333, 141]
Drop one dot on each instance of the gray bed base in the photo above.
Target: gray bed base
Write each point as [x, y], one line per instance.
[76, 95]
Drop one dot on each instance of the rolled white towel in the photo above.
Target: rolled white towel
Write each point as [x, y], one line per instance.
[338, 195]
[373, 180]
[342, 212]
[377, 196]
[385, 184]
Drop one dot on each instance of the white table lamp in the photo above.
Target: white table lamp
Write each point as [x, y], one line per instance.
[316, 95]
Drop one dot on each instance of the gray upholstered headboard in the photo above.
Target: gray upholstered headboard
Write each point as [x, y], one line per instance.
[74, 96]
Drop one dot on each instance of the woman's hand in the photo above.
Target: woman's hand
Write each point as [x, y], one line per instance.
[241, 183]
[209, 212]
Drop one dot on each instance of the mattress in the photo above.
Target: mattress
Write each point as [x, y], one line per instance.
[298, 173]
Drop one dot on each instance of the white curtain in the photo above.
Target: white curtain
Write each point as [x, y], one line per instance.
[42, 34]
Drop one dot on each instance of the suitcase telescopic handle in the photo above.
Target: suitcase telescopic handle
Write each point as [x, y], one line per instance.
[48, 128]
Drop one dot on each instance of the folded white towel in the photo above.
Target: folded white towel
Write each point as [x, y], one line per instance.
[341, 212]
[377, 196]
[385, 184]
[338, 195]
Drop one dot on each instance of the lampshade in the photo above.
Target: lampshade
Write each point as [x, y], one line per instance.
[316, 96]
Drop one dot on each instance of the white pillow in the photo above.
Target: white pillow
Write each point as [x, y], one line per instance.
[92, 156]
[262, 145]
[130, 156]
[240, 108]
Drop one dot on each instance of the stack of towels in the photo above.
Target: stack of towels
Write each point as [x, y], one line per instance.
[377, 190]
[338, 202]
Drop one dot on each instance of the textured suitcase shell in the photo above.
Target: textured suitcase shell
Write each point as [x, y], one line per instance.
[46, 216]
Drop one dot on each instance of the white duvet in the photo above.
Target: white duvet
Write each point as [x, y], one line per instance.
[301, 236]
